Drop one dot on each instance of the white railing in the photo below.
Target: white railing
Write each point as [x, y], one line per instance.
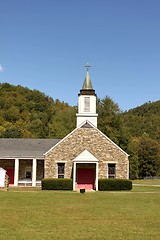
[28, 182]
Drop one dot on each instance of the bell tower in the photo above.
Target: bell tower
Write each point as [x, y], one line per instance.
[87, 102]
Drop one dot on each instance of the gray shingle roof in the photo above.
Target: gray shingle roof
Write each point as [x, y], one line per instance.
[20, 147]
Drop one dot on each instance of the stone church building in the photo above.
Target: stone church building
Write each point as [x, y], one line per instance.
[85, 154]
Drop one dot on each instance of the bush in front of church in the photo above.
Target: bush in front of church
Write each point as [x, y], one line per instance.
[57, 184]
[113, 184]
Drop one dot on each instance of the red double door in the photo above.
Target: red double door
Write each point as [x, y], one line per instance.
[86, 178]
[10, 173]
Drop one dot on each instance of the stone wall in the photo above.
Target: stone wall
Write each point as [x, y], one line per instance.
[96, 143]
[6, 183]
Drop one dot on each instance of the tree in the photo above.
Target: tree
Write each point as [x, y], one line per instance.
[110, 121]
[133, 158]
[63, 122]
[149, 157]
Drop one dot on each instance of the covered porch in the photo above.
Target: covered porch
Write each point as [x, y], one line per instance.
[24, 172]
[24, 159]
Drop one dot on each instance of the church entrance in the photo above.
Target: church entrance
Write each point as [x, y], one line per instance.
[86, 178]
[85, 171]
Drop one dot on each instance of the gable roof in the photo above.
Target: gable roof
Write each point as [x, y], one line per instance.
[25, 148]
[88, 124]
[85, 155]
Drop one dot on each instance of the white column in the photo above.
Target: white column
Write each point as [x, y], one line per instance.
[34, 171]
[127, 168]
[74, 176]
[16, 172]
[96, 176]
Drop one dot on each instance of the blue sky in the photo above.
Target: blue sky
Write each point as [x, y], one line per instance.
[44, 45]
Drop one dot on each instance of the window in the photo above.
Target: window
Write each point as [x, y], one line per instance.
[60, 170]
[28, 172]
[111, 170]
[86, 104]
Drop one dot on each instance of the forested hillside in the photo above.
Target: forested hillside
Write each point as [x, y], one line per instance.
[31, 114]
[143, 123]
[26, 113]
[144, 119]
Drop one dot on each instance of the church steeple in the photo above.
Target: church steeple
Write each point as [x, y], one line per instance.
[87, 102]
[87, 88]
[87, 82]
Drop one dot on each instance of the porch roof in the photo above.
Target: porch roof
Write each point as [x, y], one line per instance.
[25, 148]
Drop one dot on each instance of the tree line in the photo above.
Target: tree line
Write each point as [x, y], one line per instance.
[26, 113]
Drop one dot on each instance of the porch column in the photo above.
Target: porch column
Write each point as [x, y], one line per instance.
[34, 171]
[96, 176]
[127, 168]
[16, 172]
[74, 176]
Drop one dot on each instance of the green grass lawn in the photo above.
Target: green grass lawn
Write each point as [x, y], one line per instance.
[147, 181]
[27, 214]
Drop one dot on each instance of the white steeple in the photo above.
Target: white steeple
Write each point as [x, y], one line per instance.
[87, 102]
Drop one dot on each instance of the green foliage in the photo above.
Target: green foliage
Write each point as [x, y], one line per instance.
[114, 184]
[28, 113]
[110, 122]
[144, 119]
[149, 157]
[143, 124]
[144, 157]
[57, 184]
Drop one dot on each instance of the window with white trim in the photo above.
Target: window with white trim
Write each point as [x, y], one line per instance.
[111, 170]
[86, 104]
[28, 172]
[61, 170]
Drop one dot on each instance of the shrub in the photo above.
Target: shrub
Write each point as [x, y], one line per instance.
[57, 184]
[114, 184]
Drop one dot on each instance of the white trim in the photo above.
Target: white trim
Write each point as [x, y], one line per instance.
[74, 176]
[85, 156]
[28, 181]
[2, 177]
[128, 169]
[60, 161]
[20, 158]
[34, 171]
[108, 168]
[16, 172]
[64, 168]
[97, 176]
[110, 162]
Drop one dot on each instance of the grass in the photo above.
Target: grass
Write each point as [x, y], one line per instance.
[27, 214]
[148, 181]
[147, 185]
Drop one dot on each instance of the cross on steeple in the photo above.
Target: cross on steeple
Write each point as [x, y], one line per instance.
[87, 66]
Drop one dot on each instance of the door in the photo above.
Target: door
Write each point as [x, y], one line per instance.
[86, 178]
[10, 173]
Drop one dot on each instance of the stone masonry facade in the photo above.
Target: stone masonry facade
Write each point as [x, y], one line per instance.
[92, 140]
